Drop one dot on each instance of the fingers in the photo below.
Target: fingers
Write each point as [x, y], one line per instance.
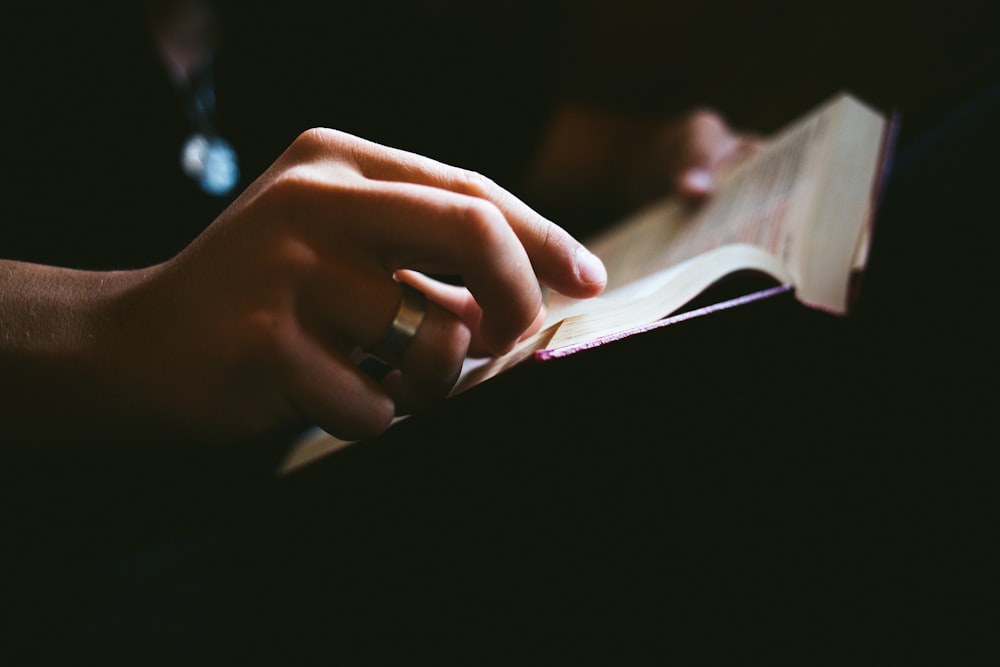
[424, 369]
[400, 225]
[328, 388]
[417, 226]
[429, 366]
[366, 212]
[461, 303]
[705, 146]
[327, 383]
[558, 259]
[454, 298]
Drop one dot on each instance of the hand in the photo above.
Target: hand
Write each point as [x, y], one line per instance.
[598, 157]
[687, 156]
[259, 323]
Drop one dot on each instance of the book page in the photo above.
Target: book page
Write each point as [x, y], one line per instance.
[760, 202]
[804, 197]
[652, 298]
[834, 243]
[797, 210]
[641, 302]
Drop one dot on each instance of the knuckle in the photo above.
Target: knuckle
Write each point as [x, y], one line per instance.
[306, 145]
[290, 256]
[318, 143]
[304, 182]
[474, 184]
[290, 185]
[481, 222]
[317, 138]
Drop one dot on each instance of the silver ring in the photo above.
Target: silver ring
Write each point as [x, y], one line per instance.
[404, 326]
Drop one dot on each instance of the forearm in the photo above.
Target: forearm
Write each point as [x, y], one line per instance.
[253, 330]
[56, 331]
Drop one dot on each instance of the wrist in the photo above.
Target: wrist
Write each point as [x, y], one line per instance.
[58, 332]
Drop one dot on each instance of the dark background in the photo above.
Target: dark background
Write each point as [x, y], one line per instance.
[91, 179]
[490, 66]
[761, 63]
[93, 127]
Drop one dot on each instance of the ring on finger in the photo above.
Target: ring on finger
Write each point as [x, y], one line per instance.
[404, 326]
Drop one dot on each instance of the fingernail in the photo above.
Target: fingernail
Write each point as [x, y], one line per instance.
[699, 180]
[590, 268]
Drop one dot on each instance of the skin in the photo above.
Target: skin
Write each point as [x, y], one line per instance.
[257, 327]
[608, 156]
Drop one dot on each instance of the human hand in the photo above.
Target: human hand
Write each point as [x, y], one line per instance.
[261, 321]
[595, 156]
[687, 156]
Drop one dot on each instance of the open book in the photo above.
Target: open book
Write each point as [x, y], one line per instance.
[797, 211]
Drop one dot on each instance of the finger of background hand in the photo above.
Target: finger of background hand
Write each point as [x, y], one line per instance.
[559, 260]
[699, 180]
[695, 183]
[710, 139]
[707, 143]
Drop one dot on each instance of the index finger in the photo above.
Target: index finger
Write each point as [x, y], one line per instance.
[558, 259]
[408, 225]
